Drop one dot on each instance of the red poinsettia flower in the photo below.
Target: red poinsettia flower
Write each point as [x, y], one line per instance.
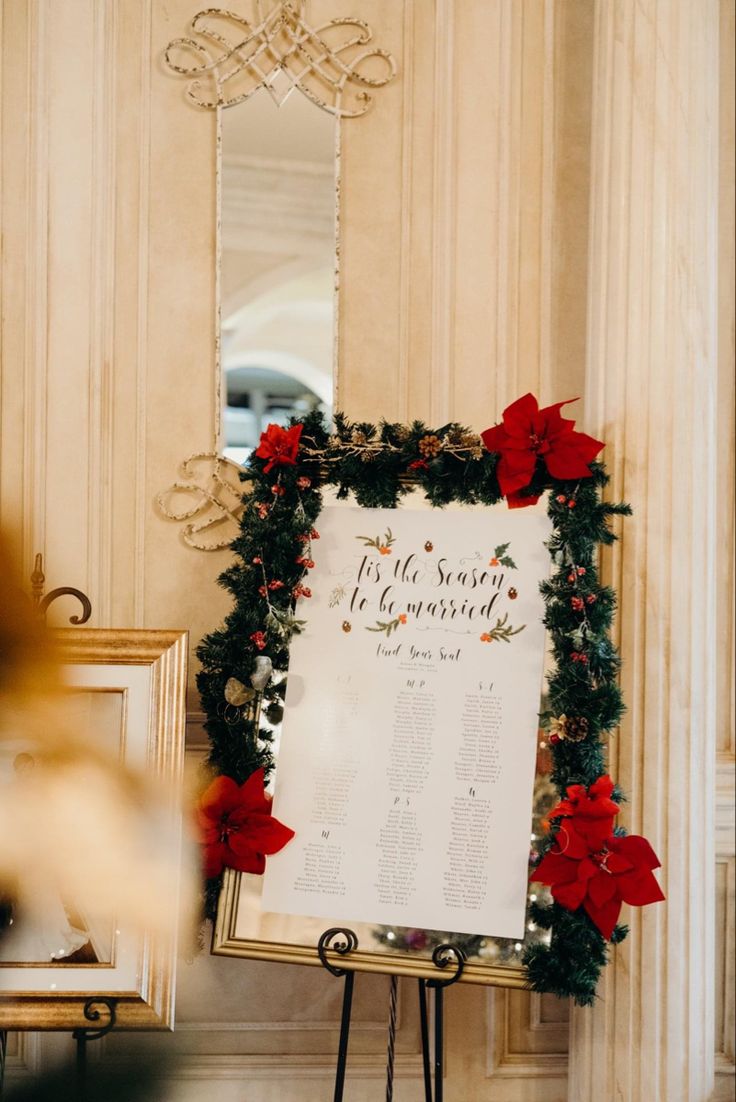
[589, 866]
[279, 446]
[592, 810]
[236, 827]
[529, 433]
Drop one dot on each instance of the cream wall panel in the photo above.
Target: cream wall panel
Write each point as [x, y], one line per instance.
[652, 381]
[475, 236]
[726, 399]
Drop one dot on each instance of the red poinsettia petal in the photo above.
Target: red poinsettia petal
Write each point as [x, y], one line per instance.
[570, 456]
[518, 417]
[639, 888]
[496, 438]
[221, 797]
[261, 834]
[213, 859]
[246, 862]
[601, 888]
[267, 442]
[515, 470]
[605, 917]
[596, 832]
[291, 444]
[603, 786]
[587, 869]
[555, 869]
[210, 833]
[617, 864]
[587, 446]
[519, 501]
[552, 424]
[279, 445]
[638, 851]
[570, 841]
[253, 796]
[598, 807]
[568, 805]
[571, 895]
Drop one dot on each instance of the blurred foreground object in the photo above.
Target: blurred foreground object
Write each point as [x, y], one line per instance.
[89, 845]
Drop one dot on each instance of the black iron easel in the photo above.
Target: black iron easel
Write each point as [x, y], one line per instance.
[83, 1034]
[343, 941]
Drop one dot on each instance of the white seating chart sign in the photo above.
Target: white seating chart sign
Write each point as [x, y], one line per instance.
[408, 747]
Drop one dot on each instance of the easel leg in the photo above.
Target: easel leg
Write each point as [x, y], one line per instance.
[3, 1050]
[342, 1052]
[438, 1042]
[80, 1036]
[391, 1047]
[424, 1026]
[340, 940]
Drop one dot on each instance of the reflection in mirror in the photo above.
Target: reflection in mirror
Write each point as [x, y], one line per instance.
[278, 265]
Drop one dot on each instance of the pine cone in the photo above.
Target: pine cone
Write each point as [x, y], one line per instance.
[576, 729]
[430, 446]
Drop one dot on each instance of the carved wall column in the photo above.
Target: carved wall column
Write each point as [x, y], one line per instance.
[652, 395]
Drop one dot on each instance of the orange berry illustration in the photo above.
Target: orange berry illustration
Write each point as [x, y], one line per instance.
[486, 638]
[493, 561]
[385, 550]
[402, 618]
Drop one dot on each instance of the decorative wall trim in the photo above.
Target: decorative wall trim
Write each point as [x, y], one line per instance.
[725, 1067]
[142, 511]
[35, 372]
[443, 214]
[525, 1046]
[100, 499]
[211, 497]
[652, 333]
[407, 221]
[23, 1056]
[725, 806]
[231, 58]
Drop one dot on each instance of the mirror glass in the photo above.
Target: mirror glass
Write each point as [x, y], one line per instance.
[278, 265]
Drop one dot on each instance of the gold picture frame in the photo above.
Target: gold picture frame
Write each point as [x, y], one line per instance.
[143, 675]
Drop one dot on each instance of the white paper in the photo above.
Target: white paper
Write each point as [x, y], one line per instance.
[407, 755]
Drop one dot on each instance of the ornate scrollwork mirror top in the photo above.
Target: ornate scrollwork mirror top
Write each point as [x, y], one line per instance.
[232, 57]
[228, 58]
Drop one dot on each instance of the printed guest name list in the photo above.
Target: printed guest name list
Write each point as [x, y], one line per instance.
[407, 754]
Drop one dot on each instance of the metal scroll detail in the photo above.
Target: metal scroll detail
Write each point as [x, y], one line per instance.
[41, 603]
[212, 493]
[228, 58]
[338, 939]
[448, 956]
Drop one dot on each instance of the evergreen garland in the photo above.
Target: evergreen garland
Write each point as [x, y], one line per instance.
[269, 582]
